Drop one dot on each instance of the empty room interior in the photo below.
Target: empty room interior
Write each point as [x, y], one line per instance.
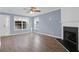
[39, 29]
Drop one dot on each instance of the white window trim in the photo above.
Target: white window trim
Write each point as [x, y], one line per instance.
[23, 19]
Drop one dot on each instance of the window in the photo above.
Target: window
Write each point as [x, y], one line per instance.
[18, 25]
[21, 23]
[24, 25]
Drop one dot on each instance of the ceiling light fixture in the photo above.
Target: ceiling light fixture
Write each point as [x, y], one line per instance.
[33, 10]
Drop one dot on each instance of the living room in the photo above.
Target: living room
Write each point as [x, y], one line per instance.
[39, 23]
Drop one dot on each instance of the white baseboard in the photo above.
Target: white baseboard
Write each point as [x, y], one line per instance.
[49, 35]
[20, 33]
[15, 34]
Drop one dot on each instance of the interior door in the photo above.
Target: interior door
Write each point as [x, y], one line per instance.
[4, 25]
[36, 22]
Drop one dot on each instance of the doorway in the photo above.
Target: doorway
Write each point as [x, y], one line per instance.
[4, 25]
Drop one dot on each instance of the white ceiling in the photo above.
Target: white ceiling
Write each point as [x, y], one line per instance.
[21, 11]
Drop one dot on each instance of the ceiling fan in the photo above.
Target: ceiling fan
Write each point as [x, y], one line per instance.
[33, 10]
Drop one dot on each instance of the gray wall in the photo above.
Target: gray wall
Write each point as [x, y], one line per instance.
[50, 23]
[12, 31]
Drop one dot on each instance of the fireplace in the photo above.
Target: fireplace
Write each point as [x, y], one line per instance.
[71, 38]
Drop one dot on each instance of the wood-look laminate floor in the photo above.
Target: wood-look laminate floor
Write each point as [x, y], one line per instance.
[30, 42]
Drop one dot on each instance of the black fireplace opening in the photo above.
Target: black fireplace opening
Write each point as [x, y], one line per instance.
[71, 38]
